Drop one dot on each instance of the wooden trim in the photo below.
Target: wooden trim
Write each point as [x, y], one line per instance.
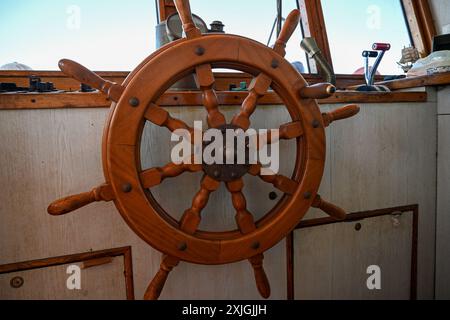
[53, 101]
[355, 216]
[375, 97]
[415, 245]
[55, 74]
[68, 100]
[223, 79]
[59, 79]
[165, 9]
[440, 79]
[421, 25]
[227, 98]
[93, 263]
[414, 209]
[290, 266]
[76, 258]
[313, 23]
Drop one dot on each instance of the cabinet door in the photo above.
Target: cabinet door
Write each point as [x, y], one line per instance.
[331, 261]
[100, 282]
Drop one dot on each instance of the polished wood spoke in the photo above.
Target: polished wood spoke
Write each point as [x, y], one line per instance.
[74, 202]
[246, 224]
[287, 131]
[189, 224]
[159, 280]
[184, 10]
[262, 82]
[155, 176]
[76, 71]
[257, 89]
[340, 114]
[192, 216]
[329, 208]
[162, 118]
[244, 218]
[287, 31]
[205, 81]
[280, 182]
[318, 91]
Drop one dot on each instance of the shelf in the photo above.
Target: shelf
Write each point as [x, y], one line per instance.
[12, 101]
[415, 82]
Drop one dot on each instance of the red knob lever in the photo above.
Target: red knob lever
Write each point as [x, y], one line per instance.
[381, 46]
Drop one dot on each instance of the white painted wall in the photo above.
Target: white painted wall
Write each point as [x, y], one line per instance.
[385, 157]
[443, 200]
[441, 14]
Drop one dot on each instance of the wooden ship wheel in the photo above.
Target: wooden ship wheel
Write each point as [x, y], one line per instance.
[135, 102]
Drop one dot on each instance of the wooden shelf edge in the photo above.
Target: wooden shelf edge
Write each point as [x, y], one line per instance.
[415, 82]
[53, 101]
[236, 98]
[223, 79]
[192, 98]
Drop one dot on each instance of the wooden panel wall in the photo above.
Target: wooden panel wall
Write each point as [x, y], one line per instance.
[384, 157]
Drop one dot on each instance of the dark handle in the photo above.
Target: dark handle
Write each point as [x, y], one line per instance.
[329, 208]
[370, 54]
[74, 202]
[71, 203]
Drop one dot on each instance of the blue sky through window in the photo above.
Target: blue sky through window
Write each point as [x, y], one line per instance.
[117, 34]
[353, 26]
[101, 34]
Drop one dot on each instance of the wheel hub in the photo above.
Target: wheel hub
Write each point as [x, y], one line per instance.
[230, 170]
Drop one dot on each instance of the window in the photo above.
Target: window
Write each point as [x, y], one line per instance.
[100, 34]
[354, 25]
[110, 35]
[253, 19]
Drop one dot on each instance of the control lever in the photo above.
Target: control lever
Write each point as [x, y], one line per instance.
[379, 49]
[309, 45]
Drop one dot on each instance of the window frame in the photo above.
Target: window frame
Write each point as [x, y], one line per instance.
[417, 13]
[421, 25]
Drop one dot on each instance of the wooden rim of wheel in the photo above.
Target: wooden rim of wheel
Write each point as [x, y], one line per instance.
[124, 130]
